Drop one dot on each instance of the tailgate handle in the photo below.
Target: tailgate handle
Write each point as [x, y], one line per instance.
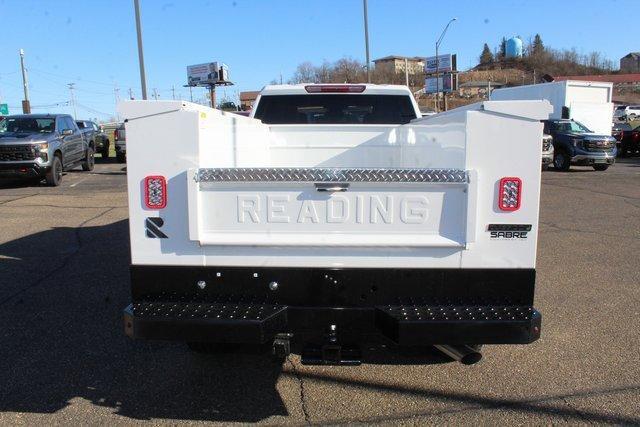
[331, 187]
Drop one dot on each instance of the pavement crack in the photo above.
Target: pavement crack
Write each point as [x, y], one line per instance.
[62, 265]
[67, 207]
[575, 410]
[18, 198]
[303, 400]
[576, 230]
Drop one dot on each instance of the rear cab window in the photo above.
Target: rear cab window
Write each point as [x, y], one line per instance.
[335, 109]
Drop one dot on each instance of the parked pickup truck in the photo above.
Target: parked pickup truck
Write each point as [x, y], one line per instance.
[37, 146]
[334, 217]
[120, 143]
[575, 144]
[95, 136]
[547, 151]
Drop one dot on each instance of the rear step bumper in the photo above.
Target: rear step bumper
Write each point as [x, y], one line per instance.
[406, 306]
[404, 325]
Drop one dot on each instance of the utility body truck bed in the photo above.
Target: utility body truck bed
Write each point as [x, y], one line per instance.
[334, 216]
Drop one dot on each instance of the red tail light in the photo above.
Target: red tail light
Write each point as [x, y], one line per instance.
[155, 192]
[335, 88]
[510, 194]
[115, 134]
[636, 136]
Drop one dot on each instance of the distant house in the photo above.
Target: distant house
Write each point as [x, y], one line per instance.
[477, 88]
[630, 63]
[395, 63]
[247, 99]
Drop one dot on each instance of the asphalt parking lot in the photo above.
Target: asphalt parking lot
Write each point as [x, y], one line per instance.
[64, 358]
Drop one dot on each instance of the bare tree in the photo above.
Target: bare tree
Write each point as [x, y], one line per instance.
[348, 70]
[323, 73]
[305, 73]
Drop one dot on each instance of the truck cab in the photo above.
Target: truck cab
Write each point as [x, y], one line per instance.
[334, 217]
[575, 144]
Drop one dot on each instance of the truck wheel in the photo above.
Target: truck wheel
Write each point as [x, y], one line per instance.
[105, 151]
[121, 158]
[89, 160]
[601, 167]
[561, 161]
[54, 176]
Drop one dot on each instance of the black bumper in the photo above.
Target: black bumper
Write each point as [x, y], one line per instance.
[22, 170]
[408, 307]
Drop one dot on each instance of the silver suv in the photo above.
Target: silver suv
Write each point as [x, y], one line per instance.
[41, 146]
[627, 112]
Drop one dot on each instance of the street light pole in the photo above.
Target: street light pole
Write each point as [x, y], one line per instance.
[438, 61]
[143, 79]
[366, 40]
[26, 106]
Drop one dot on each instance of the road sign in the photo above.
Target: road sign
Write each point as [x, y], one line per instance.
[4, 110]
[446, 63]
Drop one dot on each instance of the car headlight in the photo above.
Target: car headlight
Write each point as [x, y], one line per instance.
[576, 142]
[42, 146]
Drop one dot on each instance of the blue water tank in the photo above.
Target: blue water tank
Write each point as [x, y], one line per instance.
[514, 48]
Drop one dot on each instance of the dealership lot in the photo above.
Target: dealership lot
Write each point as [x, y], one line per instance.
[64, 357]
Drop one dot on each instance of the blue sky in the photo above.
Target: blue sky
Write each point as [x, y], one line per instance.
[92, 43]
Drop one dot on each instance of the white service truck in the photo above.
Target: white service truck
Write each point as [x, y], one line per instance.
[334, 216]
[589, 103]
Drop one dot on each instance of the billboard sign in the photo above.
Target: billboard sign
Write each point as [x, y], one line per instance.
[202, 74]
[4, 110]
[445, 64]
[447, 83]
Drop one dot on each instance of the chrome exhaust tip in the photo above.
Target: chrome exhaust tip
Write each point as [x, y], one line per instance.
[465, 354]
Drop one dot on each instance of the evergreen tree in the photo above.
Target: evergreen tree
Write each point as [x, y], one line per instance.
[503, 48]
[486, 57]
[538, 46]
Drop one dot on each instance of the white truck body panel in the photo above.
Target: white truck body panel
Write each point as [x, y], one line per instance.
[373, 224]
[589, 103]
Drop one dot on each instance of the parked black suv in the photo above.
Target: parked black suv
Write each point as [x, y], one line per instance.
[575, 144]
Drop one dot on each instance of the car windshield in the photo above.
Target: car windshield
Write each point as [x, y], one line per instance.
[27, 125]
[572, 126]
[622, 107]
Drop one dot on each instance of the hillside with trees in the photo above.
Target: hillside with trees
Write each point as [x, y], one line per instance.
[545, 60]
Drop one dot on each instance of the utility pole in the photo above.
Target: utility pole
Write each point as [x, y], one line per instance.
[155, 93]
[143, 78]
[406, 72]
[116, 93]
[173, 92]
[73, 99]
[131, 94]
[26, 105]
[366, 40]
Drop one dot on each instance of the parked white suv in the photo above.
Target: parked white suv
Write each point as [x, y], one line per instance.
[626, 112]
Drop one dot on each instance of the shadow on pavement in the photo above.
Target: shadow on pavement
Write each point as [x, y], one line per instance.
[61, 298]
[553, 405]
